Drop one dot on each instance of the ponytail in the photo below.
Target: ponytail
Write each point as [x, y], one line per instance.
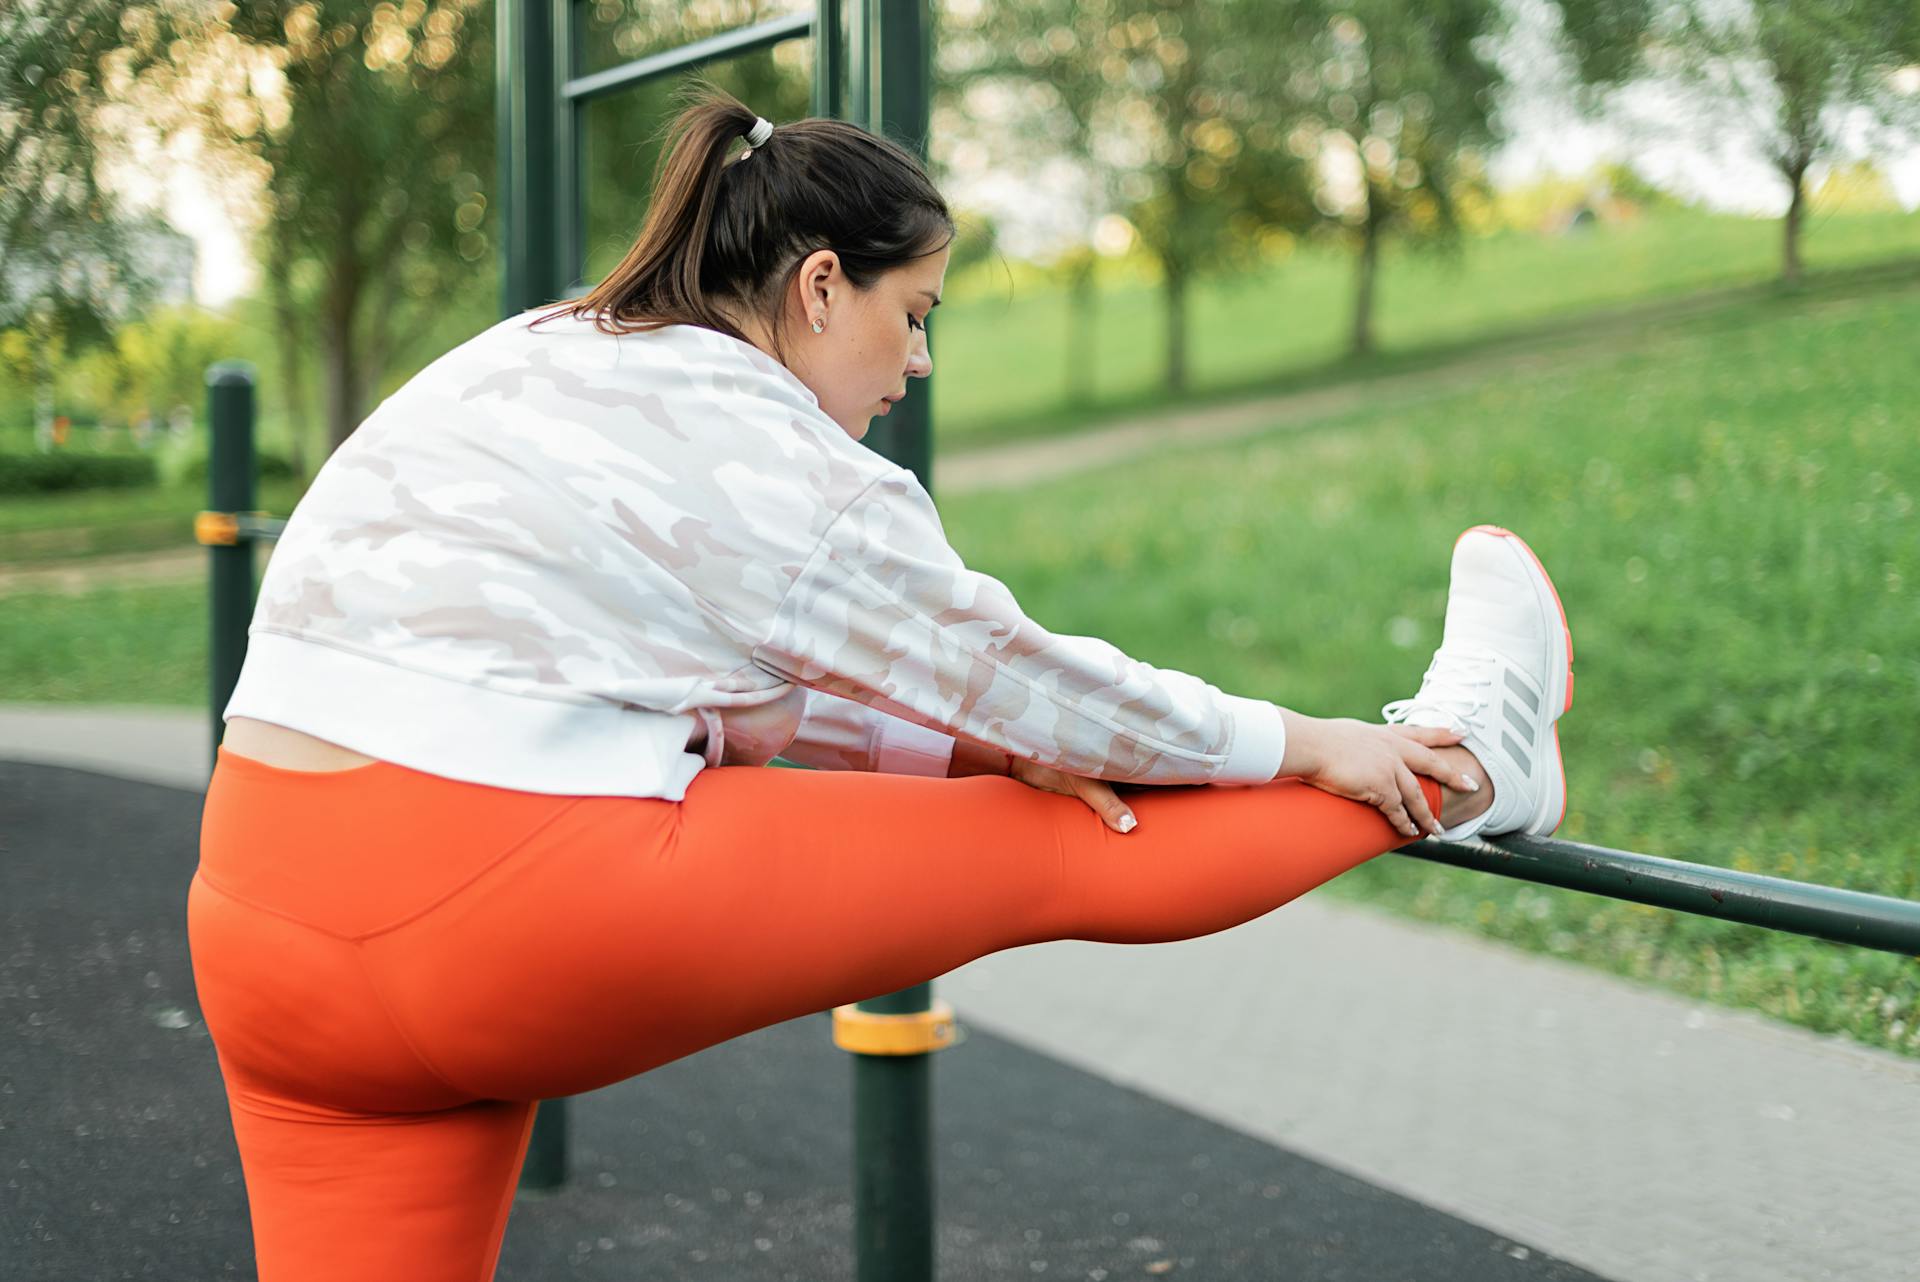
[726, 234]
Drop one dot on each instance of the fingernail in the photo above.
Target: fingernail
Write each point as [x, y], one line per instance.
[1127, 823]
[1473, 785]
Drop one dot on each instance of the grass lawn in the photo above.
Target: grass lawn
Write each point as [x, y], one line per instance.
[81, 523]
[1729, 512]
[115, 645]
[1259, 327]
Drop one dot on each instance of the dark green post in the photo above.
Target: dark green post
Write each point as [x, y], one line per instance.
[900, 46]
[830, 57]
[230, 565]
[893, 1192]
[891, 63]
[526, 104]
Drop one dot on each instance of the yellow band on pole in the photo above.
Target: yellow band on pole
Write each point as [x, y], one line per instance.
[912, 1033]
[217, 528]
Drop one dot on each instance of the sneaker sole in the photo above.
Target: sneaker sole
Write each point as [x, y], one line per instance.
[1557, 675]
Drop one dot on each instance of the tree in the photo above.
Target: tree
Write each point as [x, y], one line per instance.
[68, 269]
[1021, 72]
[369, 129]
[1173, 99]
[1389, 100]
[1794, 76]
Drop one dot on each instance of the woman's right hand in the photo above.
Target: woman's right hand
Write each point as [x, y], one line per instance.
[1375, 764]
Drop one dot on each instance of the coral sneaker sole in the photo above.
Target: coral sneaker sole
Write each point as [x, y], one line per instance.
[1560, 679]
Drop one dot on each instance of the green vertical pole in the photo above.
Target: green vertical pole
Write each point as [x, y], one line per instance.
[526, 99]
[830, 58]
[901, 33]
[893, 1208]
[524, 106]
[230, 473]
[859, 19]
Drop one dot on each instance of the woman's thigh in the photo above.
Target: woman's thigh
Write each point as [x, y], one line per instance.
[625, 934]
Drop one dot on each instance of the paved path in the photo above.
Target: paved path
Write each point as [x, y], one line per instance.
[1642, 1136]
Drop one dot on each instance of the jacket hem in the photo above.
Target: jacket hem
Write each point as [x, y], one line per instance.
[461, 730]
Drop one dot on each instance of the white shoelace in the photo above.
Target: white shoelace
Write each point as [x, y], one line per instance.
[1458, 683]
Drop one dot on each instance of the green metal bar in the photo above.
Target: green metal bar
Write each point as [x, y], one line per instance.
[569, 192]
[893, 1193]
[726, 45]
[524, 106]
[1823, 912]
[230, 473]
[532, 274]
[858, 82]
[260, 529]
[901, 76]
[829, 59]
[890, 89]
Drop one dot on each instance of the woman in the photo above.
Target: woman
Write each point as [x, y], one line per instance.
[488, 825]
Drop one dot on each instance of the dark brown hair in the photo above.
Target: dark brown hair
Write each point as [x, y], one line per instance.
[726, 233]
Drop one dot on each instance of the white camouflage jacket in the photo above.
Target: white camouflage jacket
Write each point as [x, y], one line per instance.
[566, 562]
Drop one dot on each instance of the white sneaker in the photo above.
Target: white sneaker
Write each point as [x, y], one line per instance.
[1502, 676]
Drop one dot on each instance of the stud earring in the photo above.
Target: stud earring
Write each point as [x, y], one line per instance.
[819, 326]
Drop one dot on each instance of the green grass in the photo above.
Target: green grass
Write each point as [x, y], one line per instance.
[1267, 327]
[115, 645]
[63, 526]
[1731, 520]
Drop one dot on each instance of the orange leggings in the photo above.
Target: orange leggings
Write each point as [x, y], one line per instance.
[395, 967]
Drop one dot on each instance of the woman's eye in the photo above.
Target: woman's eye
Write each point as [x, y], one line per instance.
[914, 322]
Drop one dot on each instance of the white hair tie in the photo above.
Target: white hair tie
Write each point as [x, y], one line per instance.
[761, 131]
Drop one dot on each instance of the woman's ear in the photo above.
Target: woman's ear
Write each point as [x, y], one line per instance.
[818, 280]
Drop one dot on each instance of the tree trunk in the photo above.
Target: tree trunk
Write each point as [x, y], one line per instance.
[1082, 315]
[42, 396]
[1175, 297]
[342, 378]
[1361, 342]
[1796, 207]
[293, 388]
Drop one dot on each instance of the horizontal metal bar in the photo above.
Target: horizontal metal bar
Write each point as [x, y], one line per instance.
[1822, 912]
[261, 529]
[747, 39]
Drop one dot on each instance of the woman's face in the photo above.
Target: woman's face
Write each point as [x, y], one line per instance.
[871, 341]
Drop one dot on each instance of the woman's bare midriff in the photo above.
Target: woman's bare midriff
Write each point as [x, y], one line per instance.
[288, 749]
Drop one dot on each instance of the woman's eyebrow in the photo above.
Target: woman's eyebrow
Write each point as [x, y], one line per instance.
[927, 293]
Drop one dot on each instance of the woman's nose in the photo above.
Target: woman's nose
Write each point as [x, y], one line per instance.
[920, 360]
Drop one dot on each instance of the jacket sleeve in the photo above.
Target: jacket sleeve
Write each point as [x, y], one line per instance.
[839, 734]
[883, 612]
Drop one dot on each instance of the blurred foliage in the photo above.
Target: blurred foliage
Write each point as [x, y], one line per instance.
[1799, 78]
[67, 261]
[1164, 106]
[154, 367]
[1226, 128]
[367, 132]
[73, 470]
[1391, 103]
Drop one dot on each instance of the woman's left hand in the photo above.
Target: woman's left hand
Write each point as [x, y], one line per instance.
[970, 758]
[1098, 795]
